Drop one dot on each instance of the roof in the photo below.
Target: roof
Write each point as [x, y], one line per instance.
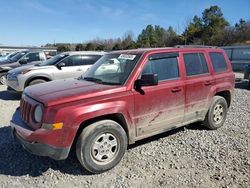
[84, 53]
[144, 50]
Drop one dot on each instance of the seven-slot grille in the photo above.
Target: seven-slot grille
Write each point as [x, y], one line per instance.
[25, 109]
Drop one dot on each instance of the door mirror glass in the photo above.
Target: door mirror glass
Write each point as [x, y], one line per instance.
[60, 65]
[24, 61]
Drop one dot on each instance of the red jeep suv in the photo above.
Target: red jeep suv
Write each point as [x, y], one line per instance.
[124, 97]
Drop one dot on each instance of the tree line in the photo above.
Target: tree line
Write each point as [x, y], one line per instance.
[211, 28]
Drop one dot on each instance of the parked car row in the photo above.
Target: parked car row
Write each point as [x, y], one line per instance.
[18, 59]
[64, 65]
[124, 97]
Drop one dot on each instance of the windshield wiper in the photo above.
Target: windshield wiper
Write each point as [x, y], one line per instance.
[92, 79]
[99, 81]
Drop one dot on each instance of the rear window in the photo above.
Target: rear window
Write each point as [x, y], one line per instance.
[218, 61]
[195, 64]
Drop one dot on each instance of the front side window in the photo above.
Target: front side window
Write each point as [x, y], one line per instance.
[72, 60]
[165, 66]
[195, 64]
[32, 57]
[112, 69]
[54, 60]
[218, 61]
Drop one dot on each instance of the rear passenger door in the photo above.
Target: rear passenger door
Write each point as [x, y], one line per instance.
[161, 107]
[197, 85]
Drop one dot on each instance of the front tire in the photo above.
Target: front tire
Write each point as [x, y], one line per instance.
[37, 81]
[3, 79]
[216, 114]
[101, 146]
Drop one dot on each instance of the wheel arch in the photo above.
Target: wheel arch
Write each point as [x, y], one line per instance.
[117, 117]
[226, 94]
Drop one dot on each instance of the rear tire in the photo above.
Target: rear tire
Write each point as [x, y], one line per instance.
[37, 81]
[216, 114]
[101, 146]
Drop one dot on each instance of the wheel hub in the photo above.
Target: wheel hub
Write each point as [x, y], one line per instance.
[104, 148]
[218, 113]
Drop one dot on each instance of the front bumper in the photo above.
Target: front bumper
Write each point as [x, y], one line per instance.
[20, 131]
[12, 82]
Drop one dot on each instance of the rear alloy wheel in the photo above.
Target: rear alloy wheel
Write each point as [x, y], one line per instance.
[217, 113]
[101, 146]
[3, 79]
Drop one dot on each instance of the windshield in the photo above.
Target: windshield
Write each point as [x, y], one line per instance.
[12, 54]
[53, 60]
[18, 56]
[112, 69]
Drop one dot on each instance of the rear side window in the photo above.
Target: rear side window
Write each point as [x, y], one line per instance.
[195, 64]
[165, 67]
[90, 59]
[218, 61]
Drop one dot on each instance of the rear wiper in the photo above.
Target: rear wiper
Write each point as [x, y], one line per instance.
[92, 79]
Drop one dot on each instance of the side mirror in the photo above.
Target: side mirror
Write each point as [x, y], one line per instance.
[146, 80]
[23, 61]
[60, 65]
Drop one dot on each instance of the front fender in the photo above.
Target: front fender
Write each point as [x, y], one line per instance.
[74, 116]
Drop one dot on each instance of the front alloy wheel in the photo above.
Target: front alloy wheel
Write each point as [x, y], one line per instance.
[105, 148]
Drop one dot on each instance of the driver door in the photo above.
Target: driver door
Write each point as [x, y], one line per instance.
[161, 107]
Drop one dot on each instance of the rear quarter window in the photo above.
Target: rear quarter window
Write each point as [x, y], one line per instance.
[218, 61]
[195, 64]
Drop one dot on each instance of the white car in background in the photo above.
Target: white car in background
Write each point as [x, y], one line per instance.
[61, 66]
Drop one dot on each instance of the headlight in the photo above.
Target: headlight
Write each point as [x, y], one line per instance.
[38, 113]
[25, 71]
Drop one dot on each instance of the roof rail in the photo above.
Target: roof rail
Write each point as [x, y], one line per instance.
[194, 46]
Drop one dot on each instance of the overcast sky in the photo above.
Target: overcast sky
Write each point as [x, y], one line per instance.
[37, 22]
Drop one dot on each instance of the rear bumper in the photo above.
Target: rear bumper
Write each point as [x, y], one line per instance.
[20, 131]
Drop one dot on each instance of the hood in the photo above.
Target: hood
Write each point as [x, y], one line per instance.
[69, 90]
[19, 69]
[8, 65]
[4, 61]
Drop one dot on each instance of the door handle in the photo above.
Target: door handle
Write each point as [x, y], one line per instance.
[78, 69]
[208, 83]
[176, 89]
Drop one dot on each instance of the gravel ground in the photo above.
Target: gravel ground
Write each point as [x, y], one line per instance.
[187, 157]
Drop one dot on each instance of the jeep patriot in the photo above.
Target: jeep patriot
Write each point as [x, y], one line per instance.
[124, 97]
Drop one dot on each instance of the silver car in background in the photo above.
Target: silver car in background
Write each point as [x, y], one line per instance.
[61, 66]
